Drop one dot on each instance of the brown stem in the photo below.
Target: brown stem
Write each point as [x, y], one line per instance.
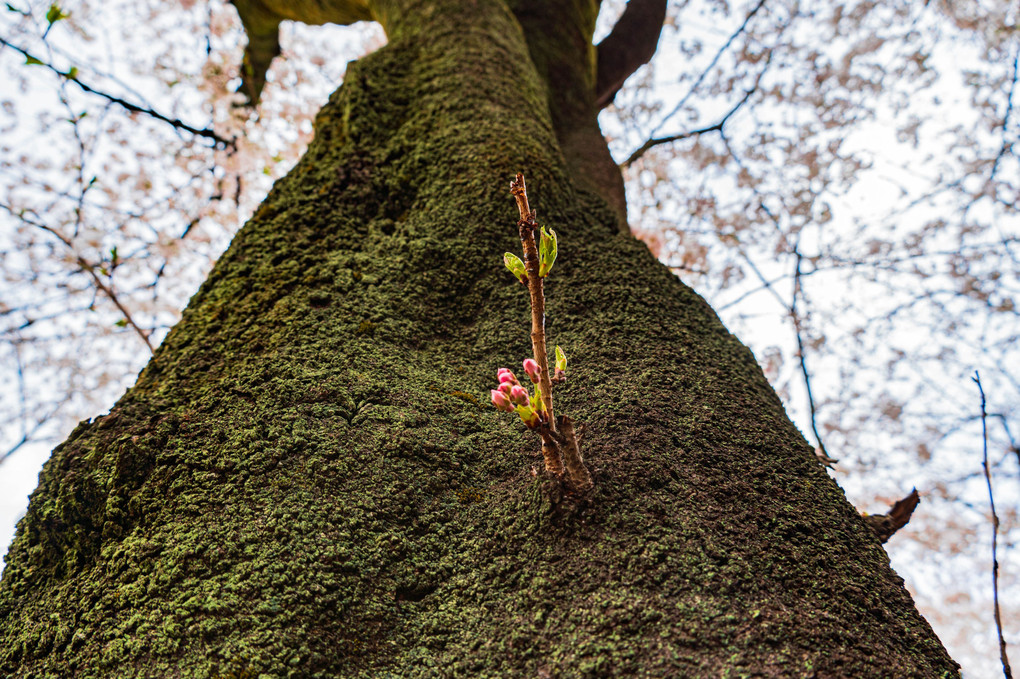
[527, 227]
[559, 443]
[537, 315]
[551, 450]
[580, 479]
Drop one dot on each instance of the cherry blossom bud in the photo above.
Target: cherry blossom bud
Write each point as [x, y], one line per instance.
[520, 396]
[505, 376]
[534, 372]
[500, 400]
[505, 387]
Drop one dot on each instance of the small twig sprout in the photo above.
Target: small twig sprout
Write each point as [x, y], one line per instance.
[559, 443]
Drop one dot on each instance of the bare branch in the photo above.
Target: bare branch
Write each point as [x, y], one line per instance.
[90, 269]
[1007, 672]
[261, 20]
[885, 525]
[717, 127]
[704, 74]
[1006, 145]
[823, 455]
[133, 108]
[262, 26]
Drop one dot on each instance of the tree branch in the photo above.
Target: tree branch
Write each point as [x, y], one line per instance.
[88, 268]
[1006, 145]
[629, 46]
[262, 27]
[1006, 670]
[261, 20]
[717, 127]
[711, 65]
[133, 108]
[886, 525]
[823, 455]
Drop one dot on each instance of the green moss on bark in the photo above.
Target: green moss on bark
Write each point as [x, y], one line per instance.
[303, 483]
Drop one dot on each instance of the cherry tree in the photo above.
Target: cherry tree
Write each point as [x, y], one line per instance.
[838, 181]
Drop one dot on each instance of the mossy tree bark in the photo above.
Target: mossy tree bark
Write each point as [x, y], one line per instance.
[307, 480]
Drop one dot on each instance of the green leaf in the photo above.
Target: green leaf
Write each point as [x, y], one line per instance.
[546, 252]
[515, 266]
[122, 323]
[113, 256]
[536, 398]
[14, 9]
[72, 73]
[32, 61]
[561, 359]
[55, 14]
[527, 414]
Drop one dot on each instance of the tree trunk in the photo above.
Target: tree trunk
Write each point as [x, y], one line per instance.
[308, 480]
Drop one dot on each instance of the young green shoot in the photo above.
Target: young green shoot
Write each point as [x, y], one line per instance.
[535, 408]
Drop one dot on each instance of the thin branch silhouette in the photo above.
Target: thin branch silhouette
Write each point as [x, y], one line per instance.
[701, 78]
[133, 108]
[90, 269]
[1007, 672]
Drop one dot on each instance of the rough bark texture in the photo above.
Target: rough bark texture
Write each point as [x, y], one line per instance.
[308, 481]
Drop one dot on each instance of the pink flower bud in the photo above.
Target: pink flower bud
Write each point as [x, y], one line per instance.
[505, 388]
[520, 396]
[504, 375]
[500, 400]
[534, 372]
